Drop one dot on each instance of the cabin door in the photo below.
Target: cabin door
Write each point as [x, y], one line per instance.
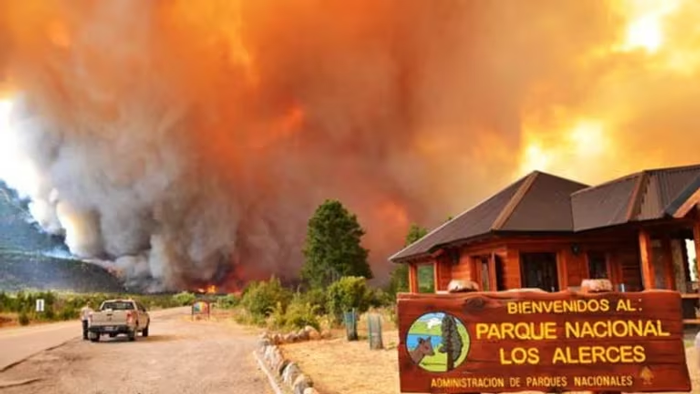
[539, 270]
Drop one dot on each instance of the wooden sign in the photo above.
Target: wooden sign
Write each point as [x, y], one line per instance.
[201, 308]
[550, 342]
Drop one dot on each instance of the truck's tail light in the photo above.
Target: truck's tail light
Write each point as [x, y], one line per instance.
[129, 317]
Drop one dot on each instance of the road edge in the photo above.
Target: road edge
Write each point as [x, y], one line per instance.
[48, 349]
[18, 383]
[271, 379]
[158, 313]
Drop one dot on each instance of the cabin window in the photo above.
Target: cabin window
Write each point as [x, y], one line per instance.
[485, 274]
[597, 266]
[500, 274]
[426, 278]
[539, 270]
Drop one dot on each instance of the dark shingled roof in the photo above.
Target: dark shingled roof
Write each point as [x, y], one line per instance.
[646, 195]
[547, 203]
[537, 202]
[545, 206]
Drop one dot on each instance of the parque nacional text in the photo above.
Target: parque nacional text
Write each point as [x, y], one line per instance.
[567, 341]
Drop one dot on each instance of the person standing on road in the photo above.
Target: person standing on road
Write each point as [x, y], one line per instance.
[84, 317]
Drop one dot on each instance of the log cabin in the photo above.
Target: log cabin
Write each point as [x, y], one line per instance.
[548, 232]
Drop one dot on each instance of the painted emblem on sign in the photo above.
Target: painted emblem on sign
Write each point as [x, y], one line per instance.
[200, 307]
[438, 342]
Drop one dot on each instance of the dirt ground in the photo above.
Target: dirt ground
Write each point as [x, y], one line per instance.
[341, 367]
[180, 356]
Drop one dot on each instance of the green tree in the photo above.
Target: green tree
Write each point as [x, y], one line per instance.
[451, 341]
[398, 282]
[333, 246]
[350, 292]
[415, 232]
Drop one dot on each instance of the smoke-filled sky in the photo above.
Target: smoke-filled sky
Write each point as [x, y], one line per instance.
[189, 142]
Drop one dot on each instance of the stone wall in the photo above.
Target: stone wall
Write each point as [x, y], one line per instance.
[285, 370]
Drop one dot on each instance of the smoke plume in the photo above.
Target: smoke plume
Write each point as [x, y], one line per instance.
[189, 142]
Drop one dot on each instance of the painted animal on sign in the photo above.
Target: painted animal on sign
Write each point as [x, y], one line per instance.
[424, 348]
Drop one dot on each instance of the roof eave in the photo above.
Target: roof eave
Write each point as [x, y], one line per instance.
[437, 250]
[685, 201]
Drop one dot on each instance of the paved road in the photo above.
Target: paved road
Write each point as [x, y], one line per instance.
[179, 356]
[19, 343]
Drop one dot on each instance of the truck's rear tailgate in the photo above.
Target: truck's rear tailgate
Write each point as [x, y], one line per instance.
[110, 318]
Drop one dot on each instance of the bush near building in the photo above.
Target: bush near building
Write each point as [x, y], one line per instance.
[269, 304]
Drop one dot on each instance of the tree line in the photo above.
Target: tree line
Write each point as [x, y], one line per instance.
[333, 249]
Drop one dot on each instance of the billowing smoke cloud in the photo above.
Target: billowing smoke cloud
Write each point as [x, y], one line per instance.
[190, 141]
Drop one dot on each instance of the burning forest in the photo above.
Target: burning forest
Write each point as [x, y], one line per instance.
[186, 143]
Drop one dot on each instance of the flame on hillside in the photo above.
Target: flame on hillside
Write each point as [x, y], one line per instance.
[211, 289]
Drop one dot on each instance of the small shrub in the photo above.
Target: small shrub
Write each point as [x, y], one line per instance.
[242, 316]
[184, 298]
[379, 298]
[5, 302]
[318, 299]
[260, 298]
[23, 319]
[348, 293]
[301, 314]
[298, 314]
[393, 316]
[229, 301]
[49, 314]
[278, 316]
[69, 313]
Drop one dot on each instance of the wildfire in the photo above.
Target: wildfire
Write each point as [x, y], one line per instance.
[281, 130]
[210, 289]
[645, 28]
[594, 138]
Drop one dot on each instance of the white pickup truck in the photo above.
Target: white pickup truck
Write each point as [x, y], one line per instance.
[116, 317]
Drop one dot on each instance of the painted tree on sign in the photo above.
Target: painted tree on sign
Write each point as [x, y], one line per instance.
[451, 341]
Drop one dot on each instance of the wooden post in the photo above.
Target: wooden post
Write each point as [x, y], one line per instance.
[412, 278]
[492, 272]
[436, 274]
[473, 269]
[647, 255]
[667, 257]
[696, 237]
[374, 331]
[562, 272]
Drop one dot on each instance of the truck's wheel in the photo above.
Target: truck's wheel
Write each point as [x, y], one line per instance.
[145, 332]
[132, 335]
[95, 338]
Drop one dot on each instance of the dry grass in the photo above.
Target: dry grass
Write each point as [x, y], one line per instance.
[340, 367]
[8, 320]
